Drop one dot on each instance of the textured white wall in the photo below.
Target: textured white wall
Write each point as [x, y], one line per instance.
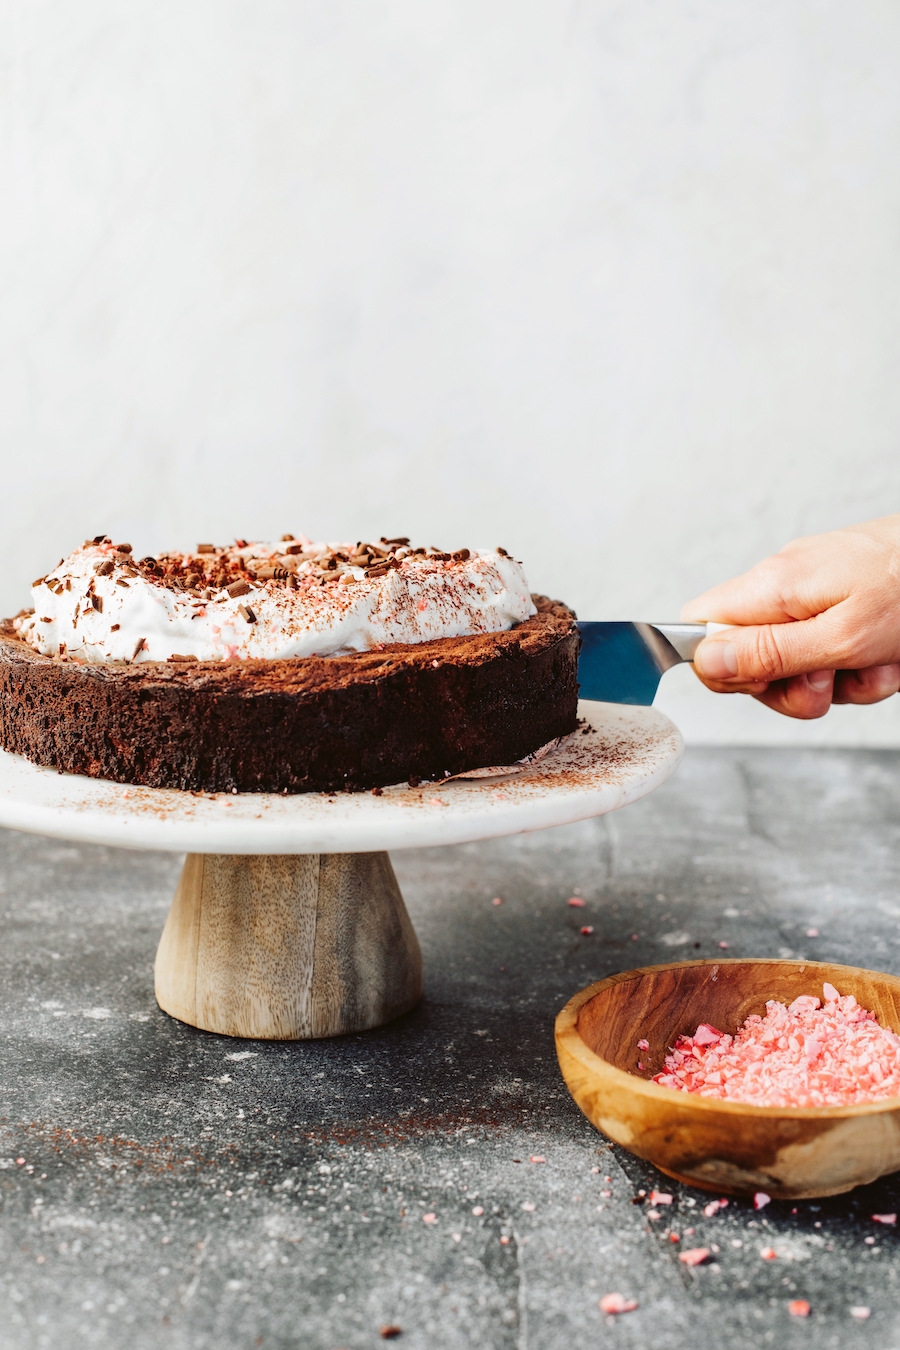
[615, 283]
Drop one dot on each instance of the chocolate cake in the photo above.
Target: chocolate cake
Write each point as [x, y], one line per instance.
[338, 718]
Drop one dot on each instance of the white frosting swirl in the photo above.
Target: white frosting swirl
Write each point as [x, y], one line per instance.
[320, 602]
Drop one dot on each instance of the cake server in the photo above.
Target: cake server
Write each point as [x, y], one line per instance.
[624, 662]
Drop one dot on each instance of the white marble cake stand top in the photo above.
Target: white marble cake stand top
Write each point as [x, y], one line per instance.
[629, 752]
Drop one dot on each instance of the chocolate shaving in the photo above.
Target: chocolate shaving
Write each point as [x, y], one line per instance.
[247, 613]
[502, 551]
[176, 656]
[191, 581]
[104, 568]
[114, 628]
[140, 643]
[122, 548]
[461, 555]
[99, 538]
[238, 588]
[97, 602]
[40, 581]
[206, 548]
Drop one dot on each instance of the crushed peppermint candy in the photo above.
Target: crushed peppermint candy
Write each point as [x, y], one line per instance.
[617, 1303]
[801, 1055]
[694, 1256]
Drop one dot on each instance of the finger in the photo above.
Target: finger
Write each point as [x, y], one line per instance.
[778, 651]
[779, 589]
[802, 696]
[866, 686]
[732, 686]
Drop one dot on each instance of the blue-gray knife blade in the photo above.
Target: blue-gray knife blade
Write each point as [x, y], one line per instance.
[624, 662]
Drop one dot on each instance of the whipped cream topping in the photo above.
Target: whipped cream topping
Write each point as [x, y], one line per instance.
[269, 601]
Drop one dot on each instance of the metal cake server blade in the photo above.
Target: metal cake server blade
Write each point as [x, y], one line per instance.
[624, 662]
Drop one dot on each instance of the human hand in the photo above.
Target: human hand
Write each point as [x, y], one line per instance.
[819, 623]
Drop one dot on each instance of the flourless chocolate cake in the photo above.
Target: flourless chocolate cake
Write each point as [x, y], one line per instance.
[292, 667]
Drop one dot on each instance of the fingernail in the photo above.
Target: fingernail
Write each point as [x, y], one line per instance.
[820, 679]
[717, 660]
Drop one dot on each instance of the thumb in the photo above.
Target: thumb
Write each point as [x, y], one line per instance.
[766, 652]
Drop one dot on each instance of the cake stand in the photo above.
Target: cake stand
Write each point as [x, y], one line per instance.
[287, 922]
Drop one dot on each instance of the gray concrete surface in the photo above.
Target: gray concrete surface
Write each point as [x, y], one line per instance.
[187, 1191]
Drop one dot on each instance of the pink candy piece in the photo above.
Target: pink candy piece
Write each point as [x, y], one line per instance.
[576, 902]
[617, 1303]
[660, 1198]
[799, 1308]
[694, 1256]
[768, 1253]
[713, 1207]
[643, 1045]
[760, 1200]
[587, 930]
[806, 1054]
[885, 1218]
[860, 1313]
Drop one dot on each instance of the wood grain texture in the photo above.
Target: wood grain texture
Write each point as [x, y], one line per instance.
[723, 1146]
[288, 947]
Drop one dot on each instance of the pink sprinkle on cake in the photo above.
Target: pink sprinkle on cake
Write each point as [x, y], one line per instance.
[805, 1054]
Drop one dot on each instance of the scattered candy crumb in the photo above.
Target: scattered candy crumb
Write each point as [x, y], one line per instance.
[429, 1218]
[660, 1198]
[539, 1158]
[478, 1210]
[529, 1206]
[694, 1256]
[885, 1218]
[653, 1214]
[391, 1333]
[713, 1207]
[812, 932]
[724, 946]
[768, 1253]
[497, 900]
[587, 930]
[576, 902]
[805, 1054]
[504, 1241]
[617, 1303]
[861, 1312]
[760, 1200]
[799, 1307]
[643, 1045]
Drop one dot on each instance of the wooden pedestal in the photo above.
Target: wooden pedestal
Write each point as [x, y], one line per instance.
[288, 947]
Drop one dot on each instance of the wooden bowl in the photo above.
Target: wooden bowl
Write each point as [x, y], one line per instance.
[789, 1152]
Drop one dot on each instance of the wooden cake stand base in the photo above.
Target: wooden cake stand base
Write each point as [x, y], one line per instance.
[288, 921]
[287, 947]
